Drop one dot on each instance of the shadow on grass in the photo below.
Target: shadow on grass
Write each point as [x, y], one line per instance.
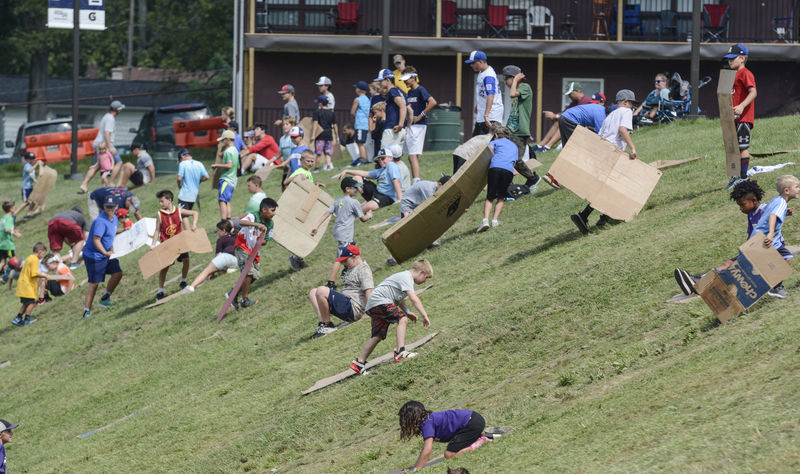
[682, 197]
[562, 238]
[127, 311]
[266, 279]
[8, 328]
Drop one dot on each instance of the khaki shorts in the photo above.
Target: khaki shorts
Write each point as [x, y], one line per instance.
[241, 260]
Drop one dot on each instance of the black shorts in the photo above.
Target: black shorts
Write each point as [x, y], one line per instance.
[27, 301]
[340, 306]
[185, 205]
[566, 127]
[6, 254]
[468, 434]
[183, 256]
[499, 179]
[361, 136]
[137, 178]
[54, 288]
[371, 194]
[743, 134]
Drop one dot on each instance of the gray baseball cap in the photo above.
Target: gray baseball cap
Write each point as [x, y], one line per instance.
[117, 105]
[511, 70]
[626, 94]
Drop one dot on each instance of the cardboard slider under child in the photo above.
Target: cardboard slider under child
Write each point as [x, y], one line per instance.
[299, 209]
[164, 255]
[756, 270]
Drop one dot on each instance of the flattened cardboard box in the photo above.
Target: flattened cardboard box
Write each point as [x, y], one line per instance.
[43, 187]
[413, 234]
[733, 158]
[165, 253]
[596, 170]
[299, 209]
[756, 270]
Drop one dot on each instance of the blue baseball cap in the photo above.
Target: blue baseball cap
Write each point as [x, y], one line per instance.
[109, 201]
[476, 56]
[323, 99]
[384, 74]
[736, 50]
[361, 85]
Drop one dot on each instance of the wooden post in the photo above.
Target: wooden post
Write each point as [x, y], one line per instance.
[438, 18]
[459, 66]
[620, 6]
[251, 62]
[539, 86]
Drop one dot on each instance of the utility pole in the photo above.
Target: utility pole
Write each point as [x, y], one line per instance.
[130, 40]
[694, 68]
[76, 56]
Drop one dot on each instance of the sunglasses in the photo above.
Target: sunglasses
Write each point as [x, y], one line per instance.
[659, 80]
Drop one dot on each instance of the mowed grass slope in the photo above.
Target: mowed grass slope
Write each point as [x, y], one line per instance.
[564, 337]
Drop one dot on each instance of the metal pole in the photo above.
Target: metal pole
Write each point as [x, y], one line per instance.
[385, 36]
[130, 40]
[239, 105]
[76, 55]
[694, 76]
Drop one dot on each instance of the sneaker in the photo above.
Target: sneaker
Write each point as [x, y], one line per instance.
[533, 183]
[581, 224]
[86, 314]
[296, 263]
[390, 262]
[188, 289]
[540, 149]
[734, 181]
[4, 280]
[602, 221]
[73, 266]
[106, 303]
[645, 121]
[235, 302]
[324, 329]
[484, 225]
[247, 302]
[685, 281]
[160, 295]
[28, 321]
[435, 244]
[404, 354]
[359, 367]
[778, 292]
[478, 443]
[495, 223]
[40, 301]
[183, 284]
[331, 284]
[17, 321]
[549, 179]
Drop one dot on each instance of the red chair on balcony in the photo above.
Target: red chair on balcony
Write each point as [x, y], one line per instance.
[497, 20]
[449, 18]
[716, 19]
[346, 17]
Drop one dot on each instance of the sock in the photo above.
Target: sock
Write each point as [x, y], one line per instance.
[86, 309]
[585, 213]
[416, 180]
[745, 165]
[19, 315]
[106, 295]
[160, 290]
[545, 147]
[400, 350]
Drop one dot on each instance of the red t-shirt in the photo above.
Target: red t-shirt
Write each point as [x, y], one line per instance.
[741, 84]
[266, 147]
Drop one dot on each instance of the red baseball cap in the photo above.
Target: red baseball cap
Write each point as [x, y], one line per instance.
[347, 252]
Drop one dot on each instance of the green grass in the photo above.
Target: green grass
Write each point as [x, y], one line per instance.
[564, 337]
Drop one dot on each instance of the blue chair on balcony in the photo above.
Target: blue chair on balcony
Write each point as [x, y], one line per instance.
[668, 21]
[782, 27]
[631, 20]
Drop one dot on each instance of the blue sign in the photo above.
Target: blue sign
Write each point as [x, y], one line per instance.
[92, 14]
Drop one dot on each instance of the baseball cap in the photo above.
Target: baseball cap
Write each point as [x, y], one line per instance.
[109, 201]
[183, 153]
[511, 70]
[598, 98]
[122, 212]
[286, 89]
[227, 134]
[347, 252]
[349, 182]
[6, 425]
[395, 150]
[117, 105]
[361, 85]
[384, 152]
[296, 132]
[573, 86]
[15, 263]
[408, 76]
[736, 50]
[476, 56]
[323, 99]
[384, 74]
[324, 81]
[233, 125]
[626, 94]
[397, 58]
[30, 155]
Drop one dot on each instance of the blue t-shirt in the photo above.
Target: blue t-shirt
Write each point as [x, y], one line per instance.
[294, 158]
[27, 176]
[190, 172]
[385, 177]
[505, 154]
[104, 228]
[120, 194]
[442, 425]
[778, 207]
[587, 115]
[286, 146]
[753, 217]
[418, 100]
[362, 113]
[392, 110]
[2, 458]
[238, 142]
[375, 99]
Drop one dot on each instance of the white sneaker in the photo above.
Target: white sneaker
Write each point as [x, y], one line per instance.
[495, 223]
[188, 289]
[404, 354]
[484, 225]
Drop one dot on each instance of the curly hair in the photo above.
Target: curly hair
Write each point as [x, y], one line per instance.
[745, 188]
[412, 414]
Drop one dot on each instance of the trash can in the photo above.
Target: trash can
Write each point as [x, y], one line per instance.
[165, 162]
[445, 128]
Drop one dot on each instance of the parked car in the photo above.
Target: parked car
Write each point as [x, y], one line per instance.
[37, 128]
[155, 130]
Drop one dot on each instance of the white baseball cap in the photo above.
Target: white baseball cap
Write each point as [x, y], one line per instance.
[324, 81]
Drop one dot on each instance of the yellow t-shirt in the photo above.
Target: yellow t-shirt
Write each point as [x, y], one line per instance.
[26, 287]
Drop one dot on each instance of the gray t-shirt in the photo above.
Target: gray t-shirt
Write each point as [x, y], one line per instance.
[469, 147]
[391, 290]
[292, 110]
[346, 210]
[143, 161]
[355, 281]
[107, 124]
[418, 192]
[405, 175]
[75, 217]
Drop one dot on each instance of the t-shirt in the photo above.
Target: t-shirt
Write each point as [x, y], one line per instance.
[362, 113]
[655, 97]
[583, 100]
[266, 147]
[190, 172]
[286, 146]
[346, 210]
[248, 236]
[304, 172]
[391, 290]
[418, 100]
[238, 142]
[6, 232]
[231, 156]
[505, 154]
[143, 162]
[442, 425]
[486, 85]
[468, 149]
[28, 175]
[385, 177]
[355, 281]
[254, 204]
[778, 207]
[405, 175]
[63, 270]
[107, 124]
[326, 118]
[621, 117]
[2, 459]
[331, 100]
[26, 288]
[416, 194]
[74, 216]
[105, 229]
[752, 218]
[292, 109]
[294, 157]
[741, 83]
[120, 195]
[392, 110]
[587, 115]
[225, 244]
[519, 118]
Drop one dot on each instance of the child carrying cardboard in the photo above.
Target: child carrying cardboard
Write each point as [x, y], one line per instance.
[170, 222]
[252, 225]
[27, 288]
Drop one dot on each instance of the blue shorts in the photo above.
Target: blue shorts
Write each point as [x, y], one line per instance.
[225, 191]
[340, 306]
[26, 193]
[361, 136]
[785, 253]
[98, 269]
[117, 158]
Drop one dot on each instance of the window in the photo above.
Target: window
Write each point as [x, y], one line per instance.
[590, 86]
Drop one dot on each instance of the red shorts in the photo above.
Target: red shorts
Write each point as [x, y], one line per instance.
[382, 316]
[60, 229]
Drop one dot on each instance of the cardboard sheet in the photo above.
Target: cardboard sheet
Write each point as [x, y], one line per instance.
[45, 183]
[410, 236]
[533, 163]
[134, 238]
[733, 160]
[772, 153]
[264, 172]
[664, 164]
[307, 123]
[296, 217]
[757, 269]
[604, 175]
[165, 254]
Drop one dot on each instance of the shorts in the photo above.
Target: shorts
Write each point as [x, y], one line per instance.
[371, 194]
[415, 139]
[224, 261]
[499, 179]
[467, 435]
[27, 301]
[98, 269]
[340, 306]
[743, 134]
[361, 136]
[183, 256]
[54, 288]
[6, 254]
[390, 137]
[566, 127]
[323, 147]
[382, 316]
[185, 205]
[241, 260]
[139, 178]
[225, 191]
[59, 230]
[26, 193]
[784, 251]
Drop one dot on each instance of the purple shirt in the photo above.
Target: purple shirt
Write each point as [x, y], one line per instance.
[753, 217]
[2, 458]
[442, 425]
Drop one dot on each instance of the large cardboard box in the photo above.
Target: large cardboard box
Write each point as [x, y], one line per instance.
[410, 236]
[733, 158]
[757, 269]
[299, 209]
[165, 253]
[596, 170]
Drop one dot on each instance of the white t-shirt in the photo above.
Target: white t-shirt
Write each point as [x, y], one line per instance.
[486, 84]
[107, 124]
[621, 117]
[391, 290]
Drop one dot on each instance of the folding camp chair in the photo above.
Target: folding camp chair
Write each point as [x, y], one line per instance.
[539, 17]
[716, 19]
[347, 16]
[631, 20]
[782, 27]
[449, 18]
[668, 21]
[497, 20]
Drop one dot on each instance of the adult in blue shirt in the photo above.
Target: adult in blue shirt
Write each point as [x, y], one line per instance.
[190, 174]
[590, 116]
[387, 191]
[97, 256]
[123, 198]
[395, 110]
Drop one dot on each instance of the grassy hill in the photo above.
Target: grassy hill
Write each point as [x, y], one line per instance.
[565, 337]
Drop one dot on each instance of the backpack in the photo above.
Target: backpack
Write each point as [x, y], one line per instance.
[517, 190]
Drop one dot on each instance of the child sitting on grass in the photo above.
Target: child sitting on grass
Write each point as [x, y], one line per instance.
[224, 259]
[462, 430]
[501, 173]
